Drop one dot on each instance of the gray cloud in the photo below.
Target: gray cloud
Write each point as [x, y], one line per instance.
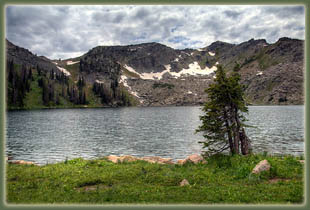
[285, 12]
[232, 14]
[68, 31]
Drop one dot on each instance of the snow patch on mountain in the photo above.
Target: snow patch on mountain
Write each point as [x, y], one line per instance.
[149, 76]
[194, 69]
[123, 80]
[67, 73]
[211, 53]
[72, 62]
[99, 82]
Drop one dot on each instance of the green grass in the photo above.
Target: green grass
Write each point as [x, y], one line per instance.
[129, 73]
[74, 70]
[33, 98]
[223, 180]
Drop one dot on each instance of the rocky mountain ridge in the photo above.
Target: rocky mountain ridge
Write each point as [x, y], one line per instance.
[22, 56]
[157, 75]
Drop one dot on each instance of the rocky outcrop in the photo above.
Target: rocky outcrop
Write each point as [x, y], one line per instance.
[120, 159]
[195, 158]
[22, 162]
[261, 166]
[23, 56]
[129, 158]
[158, 160]
[184, 182]
[158, 75]
[271, 73]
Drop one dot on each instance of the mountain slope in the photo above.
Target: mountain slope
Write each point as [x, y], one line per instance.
[38, 82]
[152, 74]
[159, 75]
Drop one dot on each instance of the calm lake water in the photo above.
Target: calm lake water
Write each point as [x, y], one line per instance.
[48, 136]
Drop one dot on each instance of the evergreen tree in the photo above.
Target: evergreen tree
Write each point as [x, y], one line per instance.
[38, 70]
[223, 122]
[45, 91]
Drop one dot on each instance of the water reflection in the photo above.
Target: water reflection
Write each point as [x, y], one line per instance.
[54, 135]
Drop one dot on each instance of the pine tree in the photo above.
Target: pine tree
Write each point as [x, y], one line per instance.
[45, 91]
[223, 122]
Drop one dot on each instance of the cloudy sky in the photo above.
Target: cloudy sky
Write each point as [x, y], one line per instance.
[69, 31]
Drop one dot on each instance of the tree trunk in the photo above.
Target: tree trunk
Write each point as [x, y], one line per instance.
[236, 140]
[245, 143]
[230, 140]
[244, 140]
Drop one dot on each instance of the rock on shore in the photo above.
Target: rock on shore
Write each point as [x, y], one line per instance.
[195, 158]
[261, 166]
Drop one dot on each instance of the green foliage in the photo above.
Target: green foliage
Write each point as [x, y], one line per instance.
[223, 122]
[19, 78]
[223, 180]
[129, 73]
[162, 85]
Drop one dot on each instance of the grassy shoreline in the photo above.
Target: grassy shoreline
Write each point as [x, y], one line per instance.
[222, 180]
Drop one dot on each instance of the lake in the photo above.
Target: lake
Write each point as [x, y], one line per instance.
[53, 135]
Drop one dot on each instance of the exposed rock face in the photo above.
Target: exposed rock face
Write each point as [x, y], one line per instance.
[158, 160]
[129, 158]
[184, 182]
[195, 158]
[22, 162]
[275, 74]
[159, 75]
[261, 166]
[113, 158]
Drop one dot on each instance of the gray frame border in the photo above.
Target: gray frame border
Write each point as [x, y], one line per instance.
[306, 4]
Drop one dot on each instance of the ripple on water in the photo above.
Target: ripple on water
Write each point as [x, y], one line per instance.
[54, 135]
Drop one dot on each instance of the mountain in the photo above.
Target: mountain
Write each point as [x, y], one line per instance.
[152, 74]
[38, 82]
[22, 56]
[159, 75]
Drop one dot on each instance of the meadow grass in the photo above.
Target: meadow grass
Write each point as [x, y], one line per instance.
[223, 180]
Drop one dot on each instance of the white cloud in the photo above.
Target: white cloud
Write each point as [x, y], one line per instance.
[67, 31]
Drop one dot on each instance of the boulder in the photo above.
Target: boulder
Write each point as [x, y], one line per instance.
[184, 182]
[113, 158]
[261, 166]
[181, 162]
[158, 160]
[22, 162]
[195, 158]
[128, 158]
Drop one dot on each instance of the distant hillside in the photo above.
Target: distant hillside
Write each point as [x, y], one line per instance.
[152, 74]
[38, 82]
